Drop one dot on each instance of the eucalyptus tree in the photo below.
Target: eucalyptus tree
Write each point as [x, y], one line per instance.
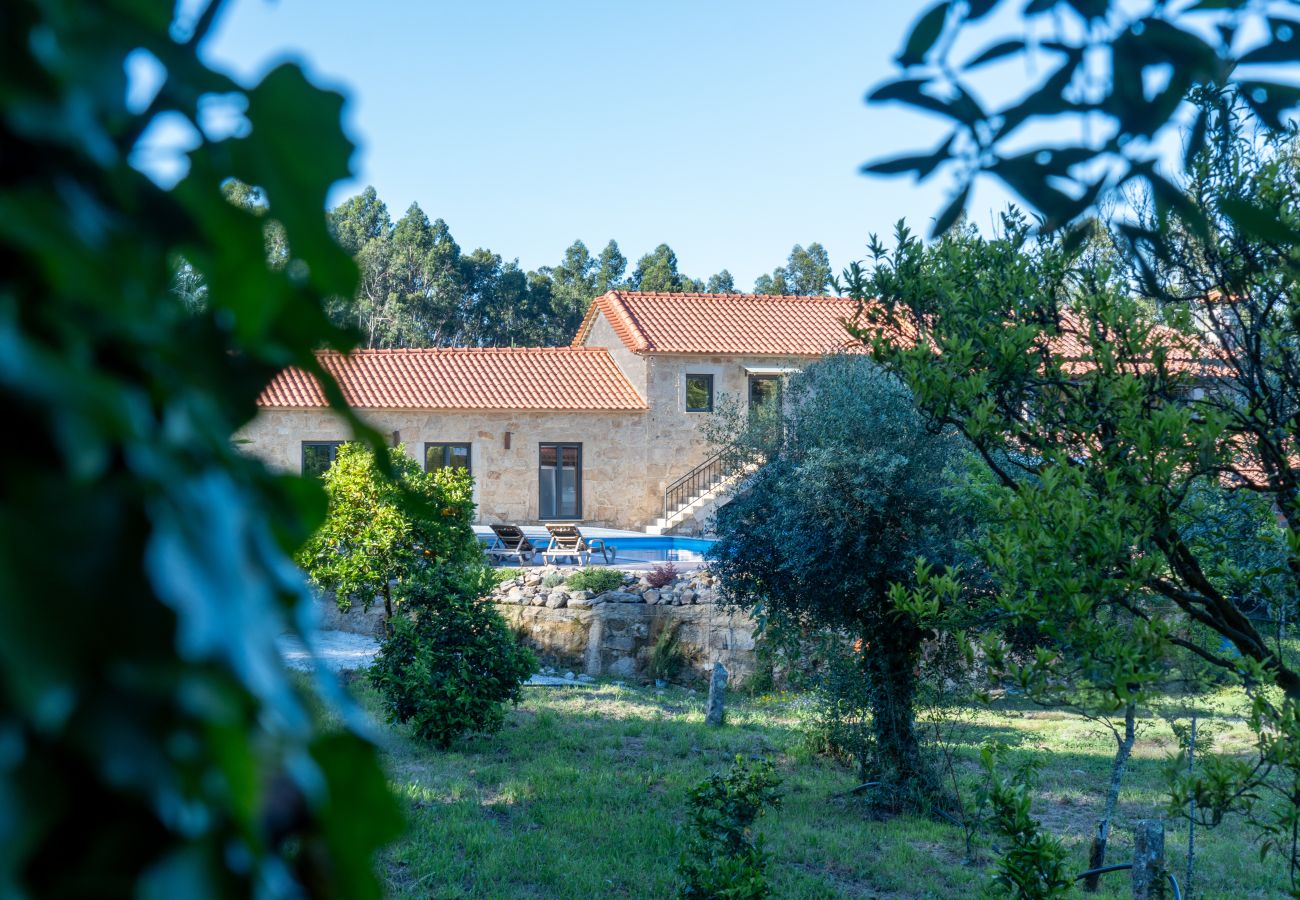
[807, 271]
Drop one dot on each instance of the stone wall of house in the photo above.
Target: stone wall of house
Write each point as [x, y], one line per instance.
[628, 458]
[633, 365]
[676, 437]
[615, 492]
[614, 633]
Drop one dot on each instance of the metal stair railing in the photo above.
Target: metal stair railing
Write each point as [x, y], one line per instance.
[704, 478]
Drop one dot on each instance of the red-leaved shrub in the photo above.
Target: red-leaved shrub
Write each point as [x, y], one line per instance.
[662, 575]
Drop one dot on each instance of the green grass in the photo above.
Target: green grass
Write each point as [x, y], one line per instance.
[582, 795]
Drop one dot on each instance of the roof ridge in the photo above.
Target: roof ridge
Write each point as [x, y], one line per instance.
[703, 295]
[633, 324]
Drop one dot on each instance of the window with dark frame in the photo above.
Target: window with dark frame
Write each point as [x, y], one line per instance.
[447, 456]
[318, 456]
[699, 393]
[559, 481]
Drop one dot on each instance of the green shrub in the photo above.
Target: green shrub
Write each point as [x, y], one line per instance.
[553, 580]
[450, 664]
[723, 858]
[1032, 864]
[497, 577]
[380, 530]
[839, 722]
[596, 579]
[667, 657]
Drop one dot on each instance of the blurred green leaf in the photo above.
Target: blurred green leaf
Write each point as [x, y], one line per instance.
[978, 9]
[924, 34]
[1283, 45]
[952, 212]
[1263, 223]
[995, 52]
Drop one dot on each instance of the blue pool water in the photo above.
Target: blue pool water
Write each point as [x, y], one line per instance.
[662, 549]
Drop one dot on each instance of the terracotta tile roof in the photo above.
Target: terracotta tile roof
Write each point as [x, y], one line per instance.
[749, 324]
[1071, 346]
[477, 378]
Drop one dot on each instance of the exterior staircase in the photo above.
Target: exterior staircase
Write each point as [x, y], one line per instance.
[690, 501]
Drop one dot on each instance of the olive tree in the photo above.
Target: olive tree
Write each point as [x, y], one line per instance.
[848, 501]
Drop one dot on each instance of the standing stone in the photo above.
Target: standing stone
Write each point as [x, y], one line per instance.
[1149, 860]
[714, 713]
[595, 639]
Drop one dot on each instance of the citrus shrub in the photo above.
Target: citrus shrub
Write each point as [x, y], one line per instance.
[723, 858]
[450, 664]
[381, 529]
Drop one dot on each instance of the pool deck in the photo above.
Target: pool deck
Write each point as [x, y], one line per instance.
[538, 535]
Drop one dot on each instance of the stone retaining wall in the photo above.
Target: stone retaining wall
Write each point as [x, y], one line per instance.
[614, 633]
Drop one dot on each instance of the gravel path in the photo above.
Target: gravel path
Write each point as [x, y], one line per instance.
[343, 651]
[340, 651]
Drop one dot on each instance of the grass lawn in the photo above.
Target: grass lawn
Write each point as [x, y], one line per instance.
[582, 795]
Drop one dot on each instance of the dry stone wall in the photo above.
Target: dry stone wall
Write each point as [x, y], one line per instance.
[614, 632]
[611, 633]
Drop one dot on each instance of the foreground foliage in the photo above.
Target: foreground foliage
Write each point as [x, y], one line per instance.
[1092, 120]
[152, 743]
[450, 662]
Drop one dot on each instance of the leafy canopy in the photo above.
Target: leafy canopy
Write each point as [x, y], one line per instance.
[380, 528]
[850, 498]
[1108, 80]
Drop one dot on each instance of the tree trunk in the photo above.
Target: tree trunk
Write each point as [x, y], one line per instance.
[1191, 813]
[1097, 857]
[889, 664]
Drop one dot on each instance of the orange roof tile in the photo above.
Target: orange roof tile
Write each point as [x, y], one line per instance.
[749, 324]
[477, 378]
[1072, 344]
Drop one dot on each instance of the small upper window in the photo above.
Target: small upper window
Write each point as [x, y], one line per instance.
[446, 456]
[318, 456]
[699, 393]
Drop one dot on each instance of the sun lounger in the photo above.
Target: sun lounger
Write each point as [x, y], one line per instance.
[567, 542]
[510, 541]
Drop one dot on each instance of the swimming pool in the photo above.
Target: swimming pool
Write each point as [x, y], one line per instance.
[662, 548]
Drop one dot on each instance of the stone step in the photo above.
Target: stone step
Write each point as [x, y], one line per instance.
[704, 502]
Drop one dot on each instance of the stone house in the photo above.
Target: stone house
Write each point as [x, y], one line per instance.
[597, 432]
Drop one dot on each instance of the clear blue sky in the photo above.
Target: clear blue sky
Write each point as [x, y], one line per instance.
[729, 130]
